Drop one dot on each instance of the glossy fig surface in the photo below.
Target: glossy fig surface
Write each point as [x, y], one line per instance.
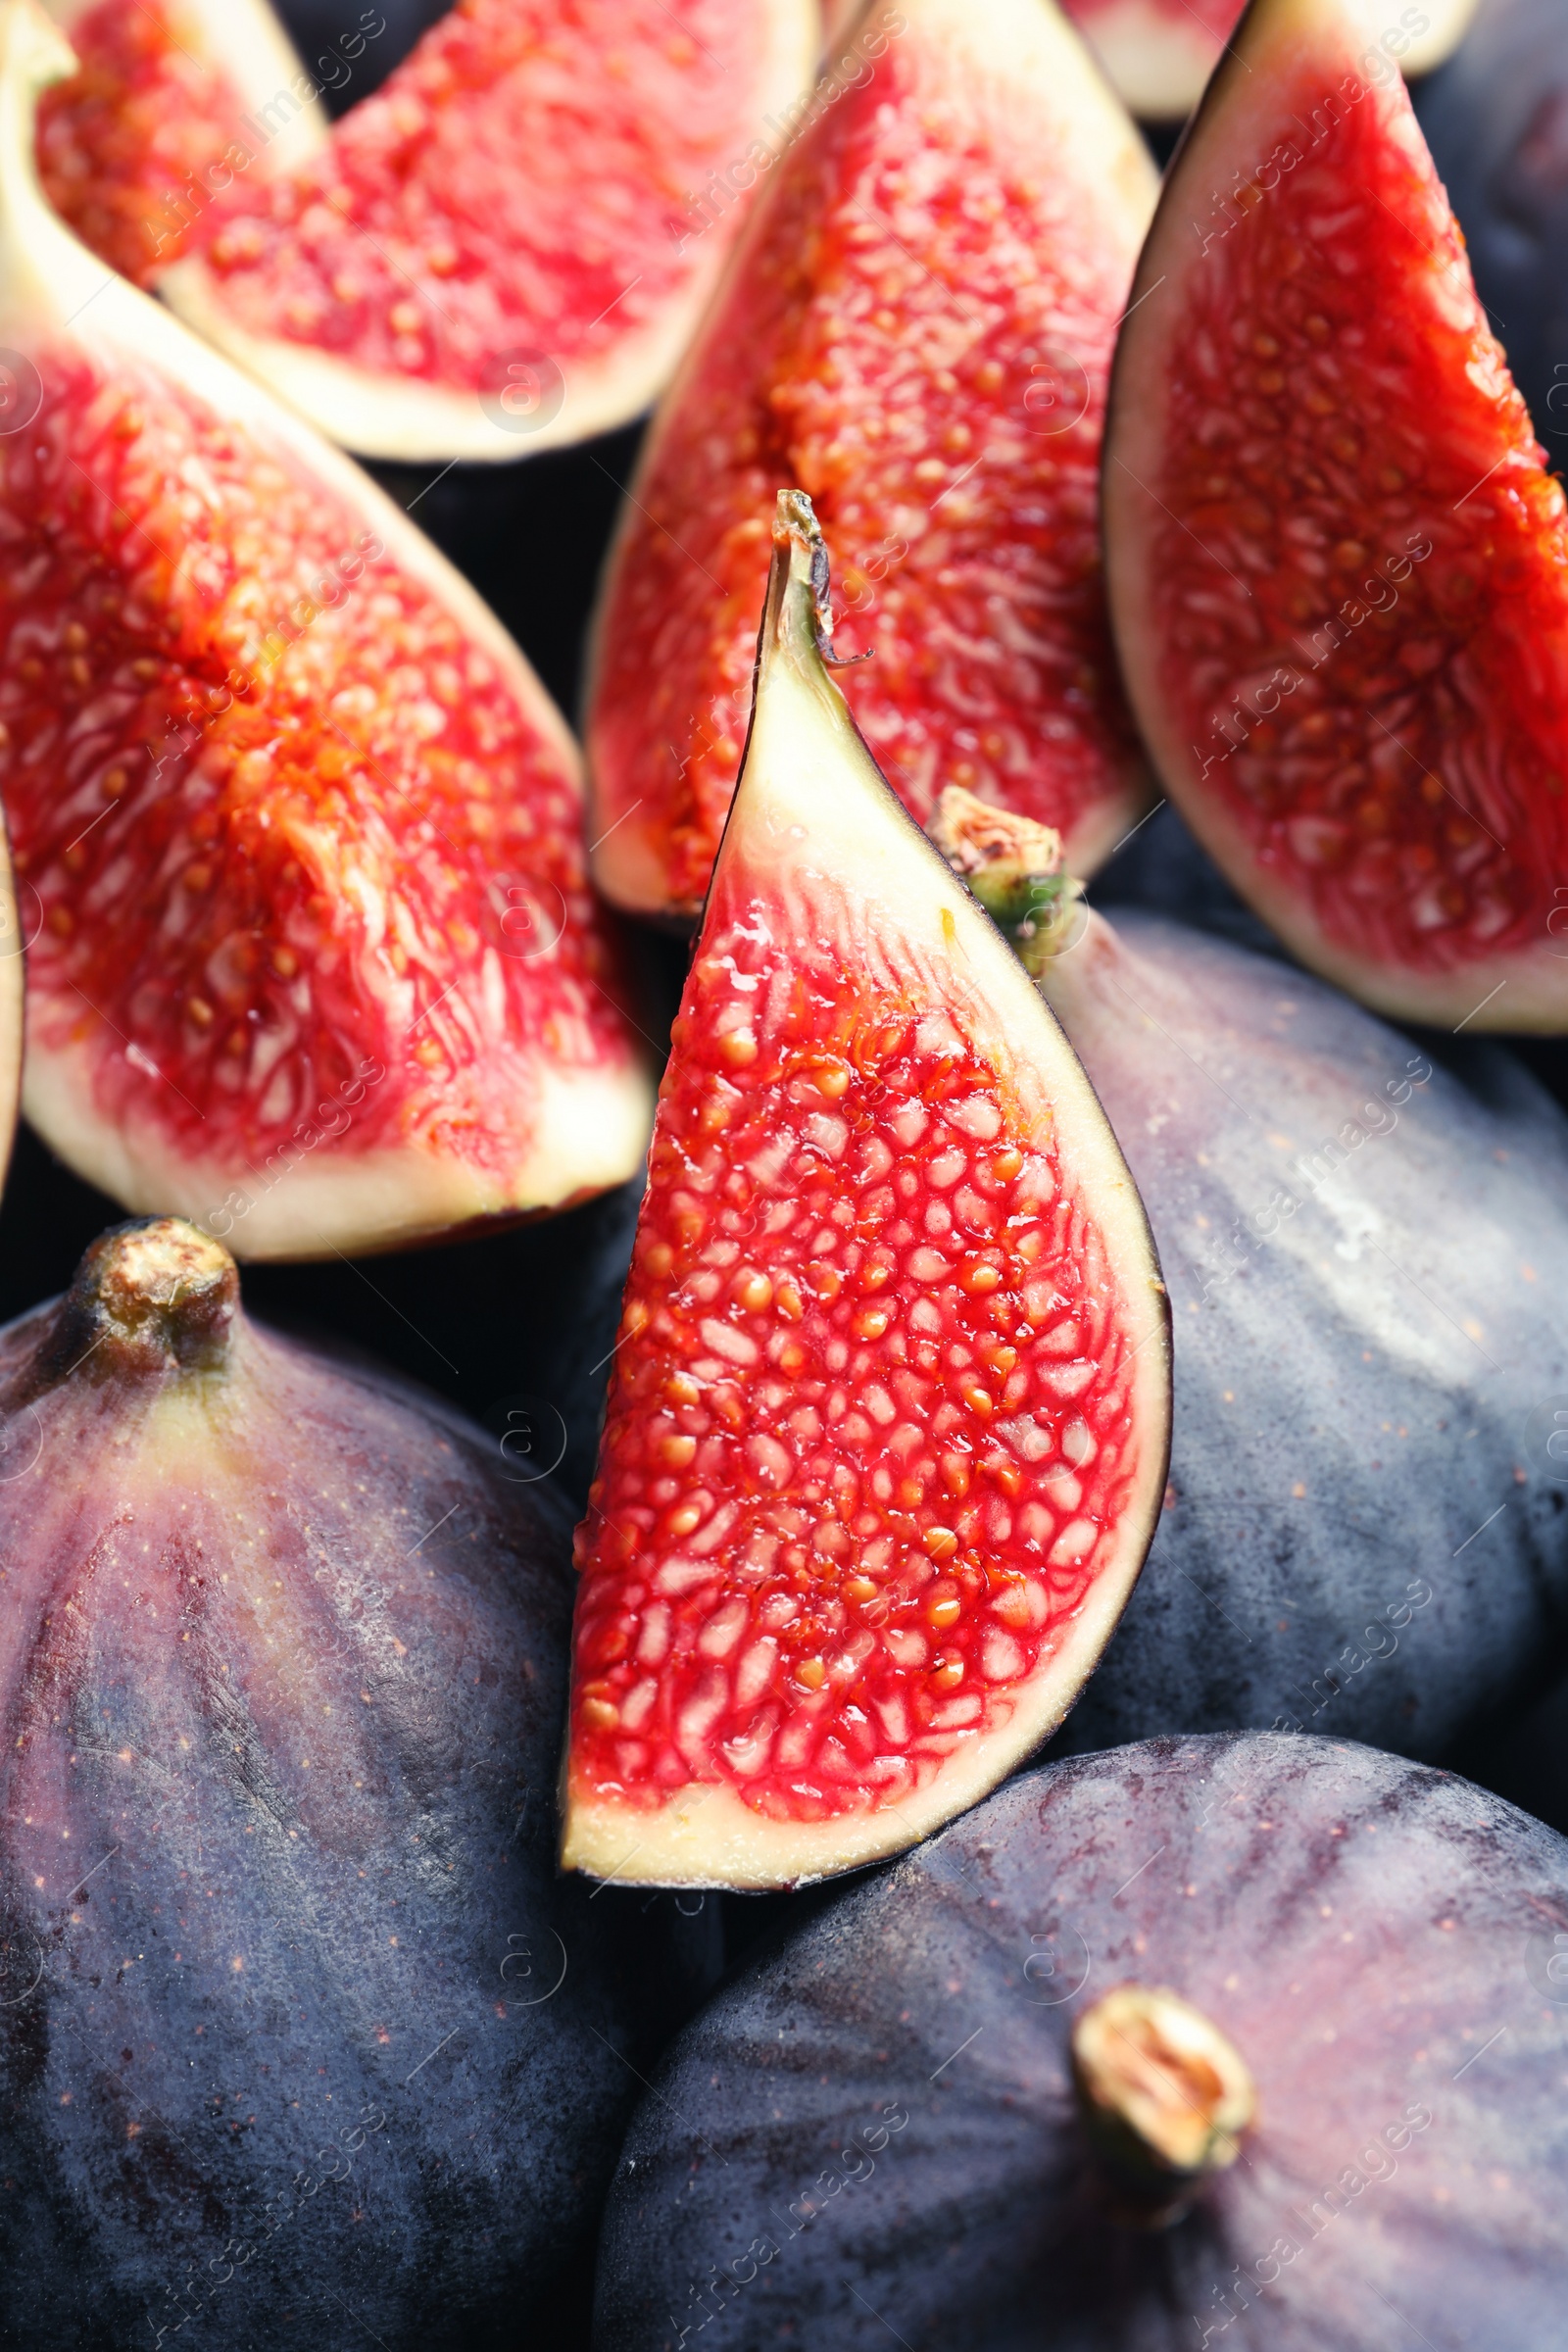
[296, 2026]
[874, 2133]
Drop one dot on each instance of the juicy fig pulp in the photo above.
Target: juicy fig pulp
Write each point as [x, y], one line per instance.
[504, 249]
[916, 331]
[880, 2130]
[887, 1426]
[1363, 1531]
[313, 958]
[157, 118]
[1338, 569]
[294, 2017]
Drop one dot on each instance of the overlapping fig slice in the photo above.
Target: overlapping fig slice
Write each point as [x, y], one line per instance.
[507, 247]
[313, 957]
[888, 1428]
[1363, 1531]
[172, 100]
[916, 331]
[1296, 2001]
[1161, 53]
[296, 2019]
[1339, 572]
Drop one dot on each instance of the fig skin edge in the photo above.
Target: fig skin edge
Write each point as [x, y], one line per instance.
[813, 815]
[591, 1127]
[404, 420]
[1529, 987]
[1032, 40]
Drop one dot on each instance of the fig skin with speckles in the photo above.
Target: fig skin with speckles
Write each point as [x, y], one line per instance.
[1363, 1535]
[874, 2129]
[297, 2026]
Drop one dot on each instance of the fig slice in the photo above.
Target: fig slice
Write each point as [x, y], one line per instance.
[889, 1421]
[1159, 54]
[502, 249]
[916, 331]
[313, 957]
[1338, 569]
[171, 100]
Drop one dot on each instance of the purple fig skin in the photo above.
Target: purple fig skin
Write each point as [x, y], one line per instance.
[1364, 1531]
[296, 2021]
[871, 2134]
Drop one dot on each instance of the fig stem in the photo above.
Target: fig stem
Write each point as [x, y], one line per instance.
[800, 555]
[1164, 2097]
[1016, 869]
[151, 1298]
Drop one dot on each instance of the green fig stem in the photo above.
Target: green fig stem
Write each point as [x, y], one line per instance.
[1164, 2097]
[151, 1298]
[1016, 869]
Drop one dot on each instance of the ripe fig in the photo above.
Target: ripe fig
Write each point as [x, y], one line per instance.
[502, 249]
[169, 100]
[313, 957]
[295, 2018]
[1161, 53]
[1363, 1531]
[1251, 2040]
[1338, 569]
[888, 1424]
[916, 330]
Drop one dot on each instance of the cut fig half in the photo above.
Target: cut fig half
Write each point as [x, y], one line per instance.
[890, 1415]
[313, 958]
[171, 102]
[1338, 566]
[916, 331]
[506, 248]
[1159, 54]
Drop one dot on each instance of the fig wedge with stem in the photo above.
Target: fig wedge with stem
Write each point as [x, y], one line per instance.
[889, 1423]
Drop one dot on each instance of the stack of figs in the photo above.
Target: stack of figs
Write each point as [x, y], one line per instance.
[826, 833]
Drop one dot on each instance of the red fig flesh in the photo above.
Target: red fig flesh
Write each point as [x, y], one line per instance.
[888, 1429]
[916, 331]
[295, 2017]
[314, 949]
[497, 253]
[158, 118]
[1338, 570]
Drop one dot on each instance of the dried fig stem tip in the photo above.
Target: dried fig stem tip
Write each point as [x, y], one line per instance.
[1015, 868]
[1164, 2098]
[800, 555]
[154, 1296]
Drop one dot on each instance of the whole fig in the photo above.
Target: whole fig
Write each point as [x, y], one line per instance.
[296, 2026]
